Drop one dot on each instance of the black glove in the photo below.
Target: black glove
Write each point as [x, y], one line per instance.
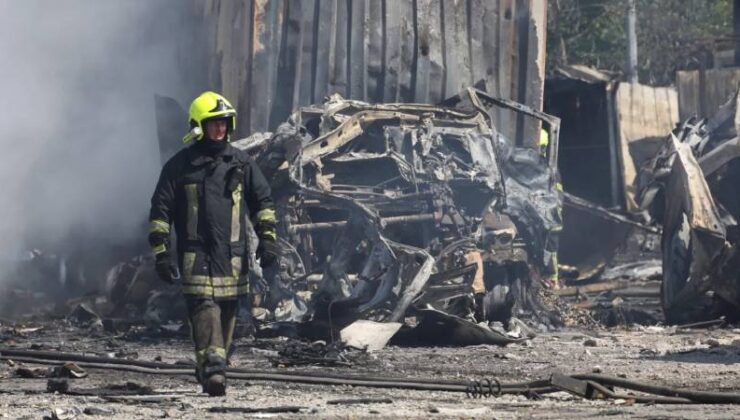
[267, 252]
[166, 270]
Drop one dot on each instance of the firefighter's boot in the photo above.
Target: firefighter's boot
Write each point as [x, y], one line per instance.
[214, 375]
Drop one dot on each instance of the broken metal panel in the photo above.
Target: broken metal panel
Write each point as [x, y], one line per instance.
[720, 157]
[699, 214]
[273, 56]
[457, 332]
[369, 335]
[689, 204]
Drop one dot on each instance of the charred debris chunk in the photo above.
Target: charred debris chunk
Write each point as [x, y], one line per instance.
[388, 210]
[690, 188]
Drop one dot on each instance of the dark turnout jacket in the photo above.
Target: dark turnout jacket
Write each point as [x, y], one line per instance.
[206, 193]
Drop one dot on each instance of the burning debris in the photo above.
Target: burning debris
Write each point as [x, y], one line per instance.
[690, 188]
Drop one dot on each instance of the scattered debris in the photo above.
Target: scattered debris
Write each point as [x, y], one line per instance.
[299, 353]
[83, 315]
[67, 370]
[369, 335]
[704, 324]
[593, 288]
[618, 312]
[139, 399]
[461, 412]
[635, 271]
[251, 410]
[361, 401]
[96, 411]
[132, 388]
[590, 343]
[457, 332]
[67, 413]
[60, 385]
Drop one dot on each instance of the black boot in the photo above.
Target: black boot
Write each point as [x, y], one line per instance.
[215, 385]
[214, 372]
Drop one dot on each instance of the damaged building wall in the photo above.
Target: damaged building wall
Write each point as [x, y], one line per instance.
[617, 124]
[273, 56]
[644, 115]
[608, 129]
[702, 92]
[583, 100]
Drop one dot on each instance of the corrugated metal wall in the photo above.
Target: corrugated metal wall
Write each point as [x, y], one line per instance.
[272, 56]
[702, 93]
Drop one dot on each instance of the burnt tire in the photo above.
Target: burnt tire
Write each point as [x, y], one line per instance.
[676, 270]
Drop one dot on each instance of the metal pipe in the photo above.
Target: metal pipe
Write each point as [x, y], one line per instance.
[573, 201]
[704, 397]
[38, 356]
[392, 220]
[541, 386]
[638, 398]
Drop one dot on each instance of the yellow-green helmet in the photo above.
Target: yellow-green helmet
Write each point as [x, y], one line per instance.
[209, 106]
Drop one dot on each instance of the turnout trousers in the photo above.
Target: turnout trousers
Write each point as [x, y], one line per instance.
[212, 326]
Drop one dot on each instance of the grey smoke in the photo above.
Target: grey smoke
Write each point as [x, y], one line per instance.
[79, 155]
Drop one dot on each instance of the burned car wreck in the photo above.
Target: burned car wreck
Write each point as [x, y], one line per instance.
[690, 188]
[394, 212]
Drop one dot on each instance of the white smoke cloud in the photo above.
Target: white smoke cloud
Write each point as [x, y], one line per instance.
[78, 148]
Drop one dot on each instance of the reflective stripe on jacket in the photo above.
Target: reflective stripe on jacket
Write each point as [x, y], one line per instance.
[206, 196]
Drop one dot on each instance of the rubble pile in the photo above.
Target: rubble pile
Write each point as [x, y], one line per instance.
[394, 208]
[396, 219]
[690, 188]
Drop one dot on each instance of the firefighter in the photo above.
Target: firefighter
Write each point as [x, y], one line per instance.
[205, 191]
[552, 273]
[544, 142]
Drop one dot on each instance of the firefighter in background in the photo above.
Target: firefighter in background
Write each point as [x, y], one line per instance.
[205, 191]
[551, 276]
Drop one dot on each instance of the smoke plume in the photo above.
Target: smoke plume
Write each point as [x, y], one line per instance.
[79, 151]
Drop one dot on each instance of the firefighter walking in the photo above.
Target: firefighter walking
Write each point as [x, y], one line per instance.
[205, 191]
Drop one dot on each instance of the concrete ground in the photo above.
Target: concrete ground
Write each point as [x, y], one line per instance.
[696, 359]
